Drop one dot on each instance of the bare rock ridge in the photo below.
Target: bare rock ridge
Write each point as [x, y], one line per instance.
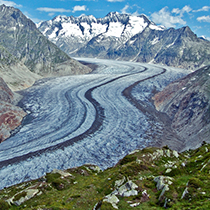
[10, 115]
[22, 39]
[126, 37]
[187, 103]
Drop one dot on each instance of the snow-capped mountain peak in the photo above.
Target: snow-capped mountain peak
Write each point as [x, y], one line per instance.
[72, 33]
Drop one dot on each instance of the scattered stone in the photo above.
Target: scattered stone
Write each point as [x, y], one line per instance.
[128, 186]
[134, 151]
[183, 164]
[145, 196]
[126, 190]
[158, 153]
[113, 199]
[119, 182]
[62, 173]
[130, 193]
[175, 153]
[168, 170]
[163, 183]
[95, 168]
[185, 192]
[165, 188]
[168, 153]
[30, 193]
[134, 204]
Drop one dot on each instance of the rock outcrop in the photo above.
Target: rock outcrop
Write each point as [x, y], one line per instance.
[187, 103]
[10, 115]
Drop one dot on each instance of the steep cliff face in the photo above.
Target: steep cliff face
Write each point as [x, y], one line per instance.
[10, 115]
[23, 40]
[187, 103]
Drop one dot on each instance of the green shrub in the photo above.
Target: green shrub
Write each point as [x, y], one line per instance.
[127, 159]
[132, 169]
[106, 206]
[51, 177]
[19, 196]
[4, 205]
[195, 182]
[175, 172]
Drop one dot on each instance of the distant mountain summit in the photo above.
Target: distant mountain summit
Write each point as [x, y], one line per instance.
[127, 37]
[21, 38]
[72, 33]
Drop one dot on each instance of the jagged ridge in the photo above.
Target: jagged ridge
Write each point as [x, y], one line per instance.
[127, 37]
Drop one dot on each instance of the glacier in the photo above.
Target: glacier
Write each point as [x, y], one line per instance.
[85, 119]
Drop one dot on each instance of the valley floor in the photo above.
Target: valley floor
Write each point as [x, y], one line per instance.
[96, 118]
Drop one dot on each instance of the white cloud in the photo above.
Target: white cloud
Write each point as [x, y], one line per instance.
[203, 9]
[124, 9]
[52, 10]
[79, 8]
[51, 14]
[115, 0]
[180, 12]
[204, 19]
[164, 17]
[10, 3]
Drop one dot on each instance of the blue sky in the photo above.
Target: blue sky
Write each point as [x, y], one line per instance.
[171, 13]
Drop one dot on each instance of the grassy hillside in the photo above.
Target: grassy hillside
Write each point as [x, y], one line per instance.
[151, 178]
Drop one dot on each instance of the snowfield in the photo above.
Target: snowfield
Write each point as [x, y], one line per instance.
[75, 120]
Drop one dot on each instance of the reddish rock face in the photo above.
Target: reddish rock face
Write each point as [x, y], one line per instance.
[10, 115]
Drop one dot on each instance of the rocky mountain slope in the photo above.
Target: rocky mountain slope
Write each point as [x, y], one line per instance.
[187, 103]
[152, 178]
[172, 47]
[15, 73]
[22, 39]
[10, 115]
[126, 37]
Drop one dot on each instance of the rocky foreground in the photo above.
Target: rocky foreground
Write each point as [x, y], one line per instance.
[151, 178]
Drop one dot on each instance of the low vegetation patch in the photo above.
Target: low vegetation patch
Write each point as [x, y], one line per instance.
[151, 178]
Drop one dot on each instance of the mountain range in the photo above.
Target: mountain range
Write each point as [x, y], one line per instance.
[126, 37]
[23, 48]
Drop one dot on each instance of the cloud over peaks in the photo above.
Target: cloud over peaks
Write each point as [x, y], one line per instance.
[51, 10]
[79, 8]
[204, 19]
[166, 18]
